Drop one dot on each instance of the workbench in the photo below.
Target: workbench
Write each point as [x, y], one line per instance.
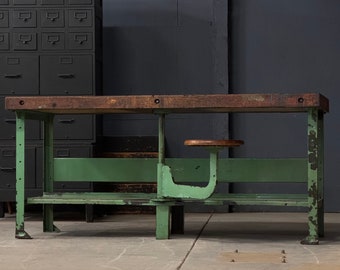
[174, 176]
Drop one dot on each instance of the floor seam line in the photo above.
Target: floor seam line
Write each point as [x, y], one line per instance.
[195, 241]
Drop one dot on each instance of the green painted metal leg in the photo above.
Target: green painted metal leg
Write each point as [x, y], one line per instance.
[48, 225]
[315, 178]
[20, 177]
[162, 221]
[320, 178]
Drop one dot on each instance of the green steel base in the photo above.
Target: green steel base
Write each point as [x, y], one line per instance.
[310, 241]
[21, 234]
[164, 206]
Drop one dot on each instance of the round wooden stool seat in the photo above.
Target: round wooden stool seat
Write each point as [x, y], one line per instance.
[214, 143]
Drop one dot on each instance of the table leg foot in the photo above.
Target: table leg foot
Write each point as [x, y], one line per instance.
[52, 228]
[56, 229]
[21, 234]
[310, 240]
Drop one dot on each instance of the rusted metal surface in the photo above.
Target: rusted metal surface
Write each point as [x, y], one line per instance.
[173, 103]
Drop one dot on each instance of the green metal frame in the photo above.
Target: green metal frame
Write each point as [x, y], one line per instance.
[167, 188]
[315, 177]
[186, 172]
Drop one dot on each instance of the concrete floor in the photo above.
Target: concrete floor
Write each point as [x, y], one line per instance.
[211, 241]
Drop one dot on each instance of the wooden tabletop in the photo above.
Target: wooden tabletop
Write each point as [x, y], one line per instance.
[169, 103]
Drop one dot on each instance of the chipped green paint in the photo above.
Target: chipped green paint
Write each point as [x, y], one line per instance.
[308, 169]
[20, 176]
[312, 150]
[315, 177]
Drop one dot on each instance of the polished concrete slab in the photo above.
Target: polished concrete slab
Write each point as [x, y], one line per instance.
[211, 241]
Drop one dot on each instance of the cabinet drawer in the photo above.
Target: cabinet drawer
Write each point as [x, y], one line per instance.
[19, 75]
[74, 127]
[80, 2]
[24, 2]
[8, 121]
[4, 2]
[4, 41]
[60, 75]
[4, 18]
[52, 18]
[80, 18]
[24, 18]
[8, 164]
[80, 41]
[24, 41]
[52, 2]
[53, 41]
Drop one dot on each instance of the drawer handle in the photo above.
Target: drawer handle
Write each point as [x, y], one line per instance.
[25, 16]
[80, 39]
[52, 16]
[10, 121]
[80, 16]
[12, 76]
[66, 76]
[53, 39]
[4, 169]
[25, 38]
[66, 121]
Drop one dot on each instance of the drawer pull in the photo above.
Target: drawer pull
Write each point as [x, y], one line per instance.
[24, 39]
[4, 169]
[66, 121]
[53, 39]
[66, 76]
[80, 16]
[52, 16]
[12, 76]
[25, 16]
[80, 39]
[10, 121]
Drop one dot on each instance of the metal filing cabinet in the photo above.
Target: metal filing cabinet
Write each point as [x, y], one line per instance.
[48, 47]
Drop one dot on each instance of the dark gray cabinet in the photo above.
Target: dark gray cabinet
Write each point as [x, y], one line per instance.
[74, 127]
[7, 123]
[7, 168]
[48, 47]
[19, 74]
[66, 75]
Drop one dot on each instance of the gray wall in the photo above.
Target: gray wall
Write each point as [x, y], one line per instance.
[166, 47]
[170, 47]
[287, 46]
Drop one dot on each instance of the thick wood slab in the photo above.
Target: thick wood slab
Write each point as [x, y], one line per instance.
[169, 103]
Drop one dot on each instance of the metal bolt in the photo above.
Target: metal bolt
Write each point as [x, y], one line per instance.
[236, 251]
[283, 260]
[283, 251]
[232, 260]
